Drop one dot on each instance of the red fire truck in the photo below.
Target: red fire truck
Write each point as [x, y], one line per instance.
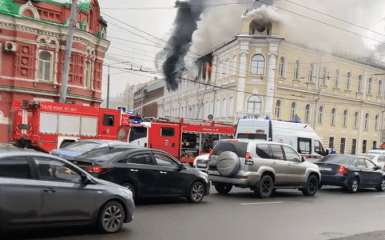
[181, 138]
[46, 126]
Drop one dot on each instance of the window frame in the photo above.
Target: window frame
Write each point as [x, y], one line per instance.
[72, 168]
[252, 62]
[333, 116]
[42, 63]
[168, 128]
[30, 164]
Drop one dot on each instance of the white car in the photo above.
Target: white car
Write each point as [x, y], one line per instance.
[378, 159]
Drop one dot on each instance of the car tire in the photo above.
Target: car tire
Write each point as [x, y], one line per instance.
[353, 185]
[265, 187]
[111, 217]
[311, 186]
[196, 192]
[381, 187]
[223, 188]
[130, 187]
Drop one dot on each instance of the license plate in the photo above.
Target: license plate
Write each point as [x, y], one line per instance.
[325, 169]
[214, 172]
[202, 165]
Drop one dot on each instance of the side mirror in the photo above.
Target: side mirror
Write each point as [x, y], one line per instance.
[85, 179]
[377, 168]
[327, 152]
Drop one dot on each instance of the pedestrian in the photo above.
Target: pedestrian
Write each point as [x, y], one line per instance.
[333, 150]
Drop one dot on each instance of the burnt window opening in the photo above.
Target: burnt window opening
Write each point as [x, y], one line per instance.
[108, 120]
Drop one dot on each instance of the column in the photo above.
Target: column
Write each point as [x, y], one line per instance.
[244, 53]
[270, 87]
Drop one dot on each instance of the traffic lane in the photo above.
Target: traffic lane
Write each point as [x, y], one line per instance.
[331, 213]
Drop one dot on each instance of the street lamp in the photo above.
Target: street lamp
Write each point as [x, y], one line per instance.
[108, 80]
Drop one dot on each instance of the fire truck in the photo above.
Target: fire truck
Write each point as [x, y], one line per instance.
[46, 126]
[184, 139]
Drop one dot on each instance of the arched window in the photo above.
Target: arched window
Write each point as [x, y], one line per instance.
[234, 65]
[282, 67]
[337, 78]
[356, 120]
[345, 123]
[333, 117]
[297, 69]
[366, 125]
[320, 114]
[307, 113]
[45, 66]
[376, 122]
[380, 88]
[257, 65]
[348, 80]
[293, 110]
[370, 85]
[278, 109]
[231, 107]
[325, 75]
[224, 107]
[359, 84]
[254, 104]
[311, 73]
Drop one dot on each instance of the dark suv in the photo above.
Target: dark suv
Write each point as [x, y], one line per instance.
[261, 166]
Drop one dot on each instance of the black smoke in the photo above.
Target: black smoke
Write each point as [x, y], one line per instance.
[179, 43]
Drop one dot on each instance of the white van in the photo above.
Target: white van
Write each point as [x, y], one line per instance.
[298, 135]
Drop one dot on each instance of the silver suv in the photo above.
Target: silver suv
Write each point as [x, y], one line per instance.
[261, 166]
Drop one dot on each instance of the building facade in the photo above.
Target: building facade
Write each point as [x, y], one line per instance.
[33, 42]
[258, 73]
[147, 97]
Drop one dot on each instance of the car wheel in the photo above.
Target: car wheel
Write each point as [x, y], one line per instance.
[111, 217]
[196, 193]
[353, 186]
[381, 188]
[266, 187]
[223, 188]
[311, 186]
[130, 187]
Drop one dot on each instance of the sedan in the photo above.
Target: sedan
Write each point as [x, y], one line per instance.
[351, 172]
[42, 190]
[149, 173]
[378, 159]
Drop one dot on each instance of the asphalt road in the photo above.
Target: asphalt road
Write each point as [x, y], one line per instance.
[331, 214]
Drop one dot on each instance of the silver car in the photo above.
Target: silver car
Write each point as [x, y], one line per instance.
[43, 190]
[261, 166]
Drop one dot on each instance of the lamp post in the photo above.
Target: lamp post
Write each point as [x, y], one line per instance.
[108, 80]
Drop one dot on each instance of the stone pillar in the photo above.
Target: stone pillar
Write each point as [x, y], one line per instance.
[243, 67]
[270, 87]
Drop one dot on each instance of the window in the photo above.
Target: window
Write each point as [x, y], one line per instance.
[318, 148]
[167, 132]
[360, 163]
[276, 151]
[53, 170]
[325, 75]
[297, 69]
[137, 133]
[333, 117]
[354, 143]
[278, 109]
[380, 88]
[143, 158]
[345, 123]
[376, 121]
[342, 146]
[14, 168]
[359, 84]
[366, 125]
[263, 151]
[369, 164]
[348, 80]
[254, 104]
[331, 142]
[45, 61]
[291, 155]
[374, 144]
[304, 145]
[238, 148]
[311, 73]
[307, 113]
[320, 114]
[356, 120]
[257, 65]
[293, 110]
[88, 75]
[282, 67]
[370, 84]
[164, 160]
[337, 78]
[108, 120]
[364, 143]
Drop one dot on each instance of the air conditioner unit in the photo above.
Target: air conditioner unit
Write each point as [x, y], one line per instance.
[10, 46]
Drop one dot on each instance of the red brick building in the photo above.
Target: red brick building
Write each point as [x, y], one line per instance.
[32, 51]
[146, 98]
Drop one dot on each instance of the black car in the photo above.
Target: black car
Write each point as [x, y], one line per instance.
[97, 153]
[352, 172]
[149, 173]
[43, 190]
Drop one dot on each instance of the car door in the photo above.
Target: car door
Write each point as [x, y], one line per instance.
[279, 164]
[64, 197]
[374, 176]
[297, 170]
[20, 198]
[363, 171]
[139, 170]
[173, 182]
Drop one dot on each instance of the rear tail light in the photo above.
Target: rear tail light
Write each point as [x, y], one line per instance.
[92, 169]
[211, 152]
[342, 170]
[233, 140]
[248, 159]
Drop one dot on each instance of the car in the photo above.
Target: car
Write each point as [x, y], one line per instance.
[378, 159]
[100, 152]
[75, 149]
[260, 165]
[41, 190]
[149, 173]
[351, 172]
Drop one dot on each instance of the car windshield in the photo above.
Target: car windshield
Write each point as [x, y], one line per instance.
[238, 148]
[338, 159]
[84, 146]
[370, 156]
[138, 132]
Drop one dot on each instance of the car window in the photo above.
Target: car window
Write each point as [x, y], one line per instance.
[370, 156]
[143, 158]
[164, 160]
[137, 133]
[263, 151]
[369, 164]
[95, 153]
[14, 168]
[381, 159]
[304, 145]
[290, 154]
[277, 152]
[360, 163]
[318, 148]
[81, 146]
[238, 148]
[53, 170]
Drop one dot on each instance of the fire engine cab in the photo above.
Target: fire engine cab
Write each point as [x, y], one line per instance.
[46, 126]
[184, 139]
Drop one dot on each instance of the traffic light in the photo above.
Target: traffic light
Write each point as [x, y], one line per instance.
[122, 108]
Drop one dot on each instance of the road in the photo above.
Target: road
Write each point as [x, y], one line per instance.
[331, 214]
